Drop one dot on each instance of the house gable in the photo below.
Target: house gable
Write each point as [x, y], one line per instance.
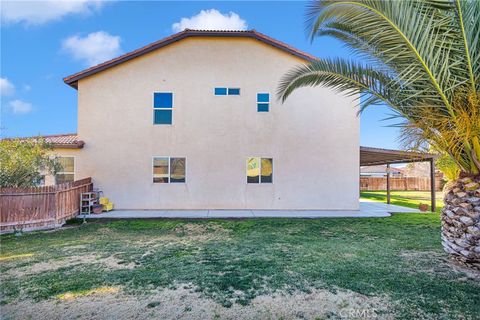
[72, 80]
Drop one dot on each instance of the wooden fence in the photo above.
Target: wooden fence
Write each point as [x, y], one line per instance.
[406, 183]
[40, 207]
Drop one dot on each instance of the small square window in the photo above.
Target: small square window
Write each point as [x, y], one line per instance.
[162, 107]
[233, 91]
[259, 170]
[162, 116]
[220, 91]
[67, 170]
[263, 97]
[263, 102]
[262, 107]
[169, 170]
[163, 100]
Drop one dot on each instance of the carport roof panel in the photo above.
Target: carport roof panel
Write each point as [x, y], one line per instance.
[375, 156]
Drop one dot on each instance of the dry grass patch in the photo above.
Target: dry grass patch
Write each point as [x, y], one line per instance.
[422, 260]
[101, 291]
[70, 261]
[184, 303]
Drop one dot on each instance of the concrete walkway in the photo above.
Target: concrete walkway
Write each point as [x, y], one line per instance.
[368, 209]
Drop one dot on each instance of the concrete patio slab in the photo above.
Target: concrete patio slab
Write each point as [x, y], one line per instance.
[368, 209]
[230, 213]
[319, 214]
[369, 206]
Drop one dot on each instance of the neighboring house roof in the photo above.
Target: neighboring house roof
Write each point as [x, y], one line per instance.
[73, 79]
[380, 169]
[59, 141]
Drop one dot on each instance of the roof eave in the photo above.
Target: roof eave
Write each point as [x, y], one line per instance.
[76, 145]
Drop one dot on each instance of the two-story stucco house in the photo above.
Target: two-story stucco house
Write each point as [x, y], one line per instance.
[192, 122]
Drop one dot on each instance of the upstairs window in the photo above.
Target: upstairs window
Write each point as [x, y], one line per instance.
[259, 170]
[263, 102]
[67, 170]
[221, 91]
[233, 91]
[169, 170]
[162, 107]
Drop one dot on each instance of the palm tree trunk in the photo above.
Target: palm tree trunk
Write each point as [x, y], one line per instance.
[461, 221]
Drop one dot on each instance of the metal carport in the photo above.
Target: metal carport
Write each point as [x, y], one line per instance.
[377, 156]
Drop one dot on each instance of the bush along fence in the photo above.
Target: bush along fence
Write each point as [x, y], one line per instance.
[404, 184]
[40, 207]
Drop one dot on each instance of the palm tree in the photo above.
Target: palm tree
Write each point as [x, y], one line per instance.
[422, 59]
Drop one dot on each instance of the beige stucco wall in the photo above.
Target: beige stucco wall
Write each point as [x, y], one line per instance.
[313, 137]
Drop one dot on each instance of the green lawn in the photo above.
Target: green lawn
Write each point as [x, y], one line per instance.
[254, 268]
[409, 199]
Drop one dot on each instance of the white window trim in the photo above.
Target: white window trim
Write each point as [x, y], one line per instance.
[153, 113]
[169, 173]
[67, 172]
[260, 174]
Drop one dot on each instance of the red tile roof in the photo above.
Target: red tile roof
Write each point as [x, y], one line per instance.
[68, 140]
[73, 79]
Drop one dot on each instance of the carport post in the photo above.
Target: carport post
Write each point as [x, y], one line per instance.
[432, 184]
[388, 183]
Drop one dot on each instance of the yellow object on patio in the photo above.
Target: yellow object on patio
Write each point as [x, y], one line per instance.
[103, 200]
[108, 206]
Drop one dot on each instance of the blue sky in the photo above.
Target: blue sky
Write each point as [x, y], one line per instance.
[43, 42]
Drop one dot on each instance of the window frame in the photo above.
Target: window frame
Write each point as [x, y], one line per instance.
[260, 173]
[234, 88]
[67, 172]
[263, 103]
[158, 108]
[169, 172]
[220, 95]
[227, 91]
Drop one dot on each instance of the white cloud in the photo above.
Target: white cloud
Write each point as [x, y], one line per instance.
[94, 48]
[40, 11]
[20, 107]
[211, 20]
[6, 87]
[27, 87]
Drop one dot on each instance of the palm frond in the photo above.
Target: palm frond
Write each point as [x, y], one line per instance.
[421, 57]
[406, 34]
[342, 76]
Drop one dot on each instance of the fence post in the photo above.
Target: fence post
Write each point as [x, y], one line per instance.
[56, 206]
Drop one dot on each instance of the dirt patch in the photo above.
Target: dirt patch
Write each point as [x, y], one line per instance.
[438, 262]
[211, 231]
[52, 265]
[185, 304]
[187, 234]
